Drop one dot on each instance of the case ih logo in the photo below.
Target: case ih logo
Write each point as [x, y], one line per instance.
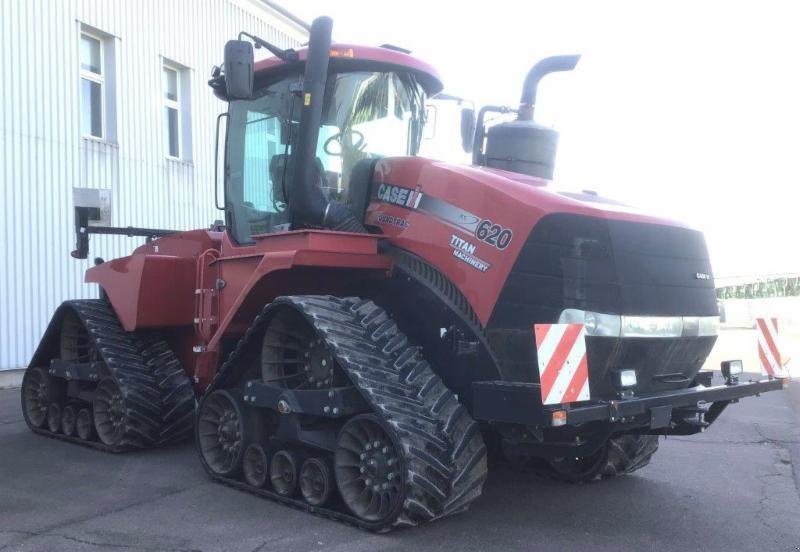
[397, 195]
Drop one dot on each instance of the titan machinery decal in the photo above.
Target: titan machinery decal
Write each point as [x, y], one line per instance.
[465, 251]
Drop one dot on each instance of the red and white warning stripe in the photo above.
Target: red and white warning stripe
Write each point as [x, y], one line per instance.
[563, 370]
[769, 348]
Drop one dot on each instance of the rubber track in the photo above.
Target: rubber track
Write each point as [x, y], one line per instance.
[156, 396]
[444, 453]
[624, 454]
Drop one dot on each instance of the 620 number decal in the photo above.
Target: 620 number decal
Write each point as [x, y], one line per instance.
[493, 234]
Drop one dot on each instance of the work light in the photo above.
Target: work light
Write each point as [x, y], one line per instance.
[731, 370]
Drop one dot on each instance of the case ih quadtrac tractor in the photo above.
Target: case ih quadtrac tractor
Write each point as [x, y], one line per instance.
[367, 326]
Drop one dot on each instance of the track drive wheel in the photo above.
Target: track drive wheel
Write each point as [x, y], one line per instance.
[221, 432]
[110, 412]
[368, 470]
[39, 389]
[619, 456]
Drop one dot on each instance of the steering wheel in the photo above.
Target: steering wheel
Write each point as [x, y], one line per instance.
[359, 145]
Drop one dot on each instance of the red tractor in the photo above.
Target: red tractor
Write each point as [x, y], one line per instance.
[366, 326]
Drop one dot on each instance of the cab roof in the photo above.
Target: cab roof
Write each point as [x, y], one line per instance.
[351, 57]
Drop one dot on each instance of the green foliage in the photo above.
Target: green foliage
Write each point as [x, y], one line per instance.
[771, 287]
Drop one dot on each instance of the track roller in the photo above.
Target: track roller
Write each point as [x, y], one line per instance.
[283, 472]
[316, 481]
[54, 417]
[84, 425]
[255, 465]
[69, 420]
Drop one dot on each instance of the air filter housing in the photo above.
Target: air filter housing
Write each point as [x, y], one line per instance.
[522, 147]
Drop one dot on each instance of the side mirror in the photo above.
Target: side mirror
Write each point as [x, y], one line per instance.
[238, 70]
[467, 128]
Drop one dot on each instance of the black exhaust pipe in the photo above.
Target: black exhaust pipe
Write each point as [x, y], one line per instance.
[308, 205]
[529, 88]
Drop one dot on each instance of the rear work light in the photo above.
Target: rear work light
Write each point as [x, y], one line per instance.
[558, 418]
[616, 325]
[731, 369]
[627, 378]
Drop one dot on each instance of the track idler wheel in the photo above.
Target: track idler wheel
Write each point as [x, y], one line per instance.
[221, 431]
[368, 470]
[69, 420]
[316, 481]
[39, 389]
[110, 412]
[283, 472]
[255, 465]
[84, 424]
[54, 417]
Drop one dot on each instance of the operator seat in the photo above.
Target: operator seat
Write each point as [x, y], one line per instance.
[360, 186]
[277, 166]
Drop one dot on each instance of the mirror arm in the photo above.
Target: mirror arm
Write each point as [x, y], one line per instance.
[285, 55]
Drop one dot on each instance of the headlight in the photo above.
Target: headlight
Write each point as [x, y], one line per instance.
[614, 325]
[709, 325]
[652, 326]
[595, 323]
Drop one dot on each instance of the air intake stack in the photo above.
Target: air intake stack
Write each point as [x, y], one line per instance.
[523, 146]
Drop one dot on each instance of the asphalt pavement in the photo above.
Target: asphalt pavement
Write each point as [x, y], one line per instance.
[734, 487]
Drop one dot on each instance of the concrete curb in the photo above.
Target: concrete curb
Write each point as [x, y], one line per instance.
[11, 378]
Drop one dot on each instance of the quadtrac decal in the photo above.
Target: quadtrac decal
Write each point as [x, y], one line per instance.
[465, 251]
[391, 220]
[494, 234]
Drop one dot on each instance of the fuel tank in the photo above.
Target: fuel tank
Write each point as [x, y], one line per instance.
[523, 253]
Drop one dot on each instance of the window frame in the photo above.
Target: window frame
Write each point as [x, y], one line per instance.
[177, 106]
[98, 78]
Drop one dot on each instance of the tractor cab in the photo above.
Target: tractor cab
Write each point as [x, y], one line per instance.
[283, 173]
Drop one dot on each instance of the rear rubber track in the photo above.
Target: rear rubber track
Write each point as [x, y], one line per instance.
[621, 455]
[444, 455]
[158, 395]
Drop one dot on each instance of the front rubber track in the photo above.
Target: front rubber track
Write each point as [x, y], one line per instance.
[443, 452]
[158, 395]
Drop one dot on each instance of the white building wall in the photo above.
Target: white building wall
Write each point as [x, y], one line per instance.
[43, 156]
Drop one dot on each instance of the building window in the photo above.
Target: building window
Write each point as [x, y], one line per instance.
[172, 111]
[92, 86]
[176, 110]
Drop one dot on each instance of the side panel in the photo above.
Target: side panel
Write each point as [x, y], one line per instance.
[148, 290]
[154, 287]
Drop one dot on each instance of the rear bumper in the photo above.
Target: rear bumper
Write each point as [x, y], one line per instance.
[520, 403]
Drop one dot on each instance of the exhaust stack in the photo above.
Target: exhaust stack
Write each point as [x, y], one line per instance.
[308, 205]
[531, 85]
